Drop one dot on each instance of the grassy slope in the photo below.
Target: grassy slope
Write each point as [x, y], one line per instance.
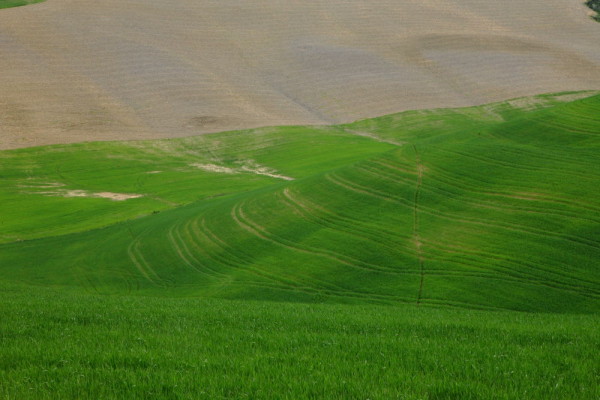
[162, 170]
[491, 207]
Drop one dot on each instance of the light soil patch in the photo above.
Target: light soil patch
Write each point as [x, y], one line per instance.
[42, 185]
[215, 168]
[85, 193]
[374, 137]
[532, 103]
[246, 166]
[57, 189]
[116, 196]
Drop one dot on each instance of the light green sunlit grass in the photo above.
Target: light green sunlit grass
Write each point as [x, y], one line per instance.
[164, 171]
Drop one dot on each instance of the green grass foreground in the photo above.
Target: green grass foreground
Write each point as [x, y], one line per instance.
[17, 3]
[434, 254]
[59, 346]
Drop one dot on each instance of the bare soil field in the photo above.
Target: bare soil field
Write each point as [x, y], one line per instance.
[75, 70]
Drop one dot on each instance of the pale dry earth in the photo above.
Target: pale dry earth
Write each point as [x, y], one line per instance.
[78, 70]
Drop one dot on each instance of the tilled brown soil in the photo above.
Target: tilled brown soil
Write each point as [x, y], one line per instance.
[76, 70]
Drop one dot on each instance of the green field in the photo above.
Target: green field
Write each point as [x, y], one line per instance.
[17, 3]
[434, 254]
[61, 346]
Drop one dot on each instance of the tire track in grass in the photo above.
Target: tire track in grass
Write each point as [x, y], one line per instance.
[131, 279]
[199, 245]
[229, 258]
[336, 219]
[461, 184]
[563, 160]
[487, 204]
[559, 200]
[288, 283]
[394, 167]
[506, 274]
[185, 254]
[255, 231]
[416, 227]
[513, 275]
[470, 258]
[309, 215]
[568, 128]
[518, 264]
[534, 203]
[83, 278]
[248, 262]
[228, 280]
[261, 232]
[194, 230]
[520, 167]
[460, 220]
[142, 265]
[439, 273]
[486, 274]
[357, 188]
[367, 230]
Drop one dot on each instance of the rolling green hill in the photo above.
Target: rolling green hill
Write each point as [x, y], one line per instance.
[454, 253]
[490, 207]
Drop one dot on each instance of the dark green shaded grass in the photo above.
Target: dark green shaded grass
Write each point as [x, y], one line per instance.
[594, 5]
[58, 345]
[17, 3]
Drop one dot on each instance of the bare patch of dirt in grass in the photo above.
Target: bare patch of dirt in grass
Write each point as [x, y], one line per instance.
[214, 168]
[84, 193]
[245, 166]
[57, 189]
